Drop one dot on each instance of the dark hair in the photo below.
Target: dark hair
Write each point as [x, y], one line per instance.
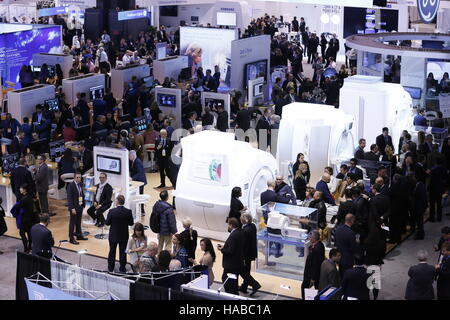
[121, 199]
[333, 253]
[445, 230]
[68, 155]
[354, 160]
[348, 193]
[233, 222]
[180, 239]
[330, 169]
[164, 195]
[372, 147]
[385, 129]
[236, 192]
[361, 140]
[299, 155]
[138, 227]
[352, 176]
[359, 259]
[43, 157]
[209, 248]
[44, 217]
[25, 187]
[344, 166]
[164, 258]
[377, 187]
[356, 191]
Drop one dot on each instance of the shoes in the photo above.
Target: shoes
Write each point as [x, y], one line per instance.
[161, 186]
[100, 225]
[123, 270]
[1, 252]
[52, 214]
[255, 289]
[73, 241]
[243, 290]
[81, 238]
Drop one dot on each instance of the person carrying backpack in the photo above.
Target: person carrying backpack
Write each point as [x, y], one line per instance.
[163, 222]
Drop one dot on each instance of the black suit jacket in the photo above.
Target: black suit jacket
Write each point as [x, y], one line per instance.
[250, 250]
[222, 121]
[443, 281]
[72, 197]
[354, 283]
[119, 219]
[105, 197]
[382, 144]
[243, 118]
[358, 173]
[380, 206]
[371, 156]
[359, 153]
[233, 251]
[42, 239]
[313, 262]
[88, 160]
[420, 283]
[346, 244]
[438, 180]
[271, 196]
[19, 177]
[168, 147]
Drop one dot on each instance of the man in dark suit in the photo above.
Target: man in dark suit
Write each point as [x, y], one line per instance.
[346, 243]
[359, 152]
[42, 237]
[361, 212]
[419, 206]
[232, 256]
[189, 122]
[372, 155]
[163, 153]
[41, 176]
[102, 201]
[75, 201]
[354, 282]
[162, 35]
[379, 205]
[250, 254]
[291, 97]
[355, 170]
[323, 187]
[19, 177]
[421, 278]
[264, 124]
[270, 195]
[333, 45]
[384, 140]
[243, 118]
[222, 119]
[208, 82]
[86, 158]
[438, 183]
[295, 25]
[443, 273]
[316, 255]
[119, 219]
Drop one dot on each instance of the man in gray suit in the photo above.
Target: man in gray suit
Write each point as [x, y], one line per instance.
[421, 278]
[41, 175]
[329, 274]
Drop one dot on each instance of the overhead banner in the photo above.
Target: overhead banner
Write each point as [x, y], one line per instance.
[37, 292]
[46, 12]
[133, 14]
[428, 9]
[345, 3]
[206, 48]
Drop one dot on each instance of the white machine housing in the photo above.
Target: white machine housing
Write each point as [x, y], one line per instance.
[376, 104]
[256, 92]
[22, 102]
[83, 83]
[324, 134]
[64, 60]
[120, 77]
[213, 164]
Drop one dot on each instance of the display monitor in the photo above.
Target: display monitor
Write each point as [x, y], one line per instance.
[108, 164]
[9, 162]
[141, 123]
[83, 132]
[255, 70]
[148, 81]
[51, 71]
[370, 20]
[36, 68]
[167, 100]
[415, 93]
[226, 19]
[214, 103]
[57, 149]
[97, 92]
[52, 104]
[258, 89]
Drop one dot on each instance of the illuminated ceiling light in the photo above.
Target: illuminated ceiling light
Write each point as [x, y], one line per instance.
[325, 18]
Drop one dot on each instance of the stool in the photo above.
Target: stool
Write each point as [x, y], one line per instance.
[67, 177]
[150, 151]
[137, 201]
[103, 235]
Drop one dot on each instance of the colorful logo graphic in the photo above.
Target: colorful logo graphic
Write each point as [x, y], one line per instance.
[215, 170]
[428, 9]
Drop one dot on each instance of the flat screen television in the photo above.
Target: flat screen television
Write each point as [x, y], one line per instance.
[255, 70]
[214, 103]
[9, 162]
[168, 11]
[52, 104]
[226, 19]
[108, 164]
[258, 89]
[167, 100]
[370, 20]
[415, 93]
[141, 123]
[51, 71]
[97, 92]
[148, 82]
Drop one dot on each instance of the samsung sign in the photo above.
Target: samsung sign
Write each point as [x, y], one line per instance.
[133, 14]
[428, 9]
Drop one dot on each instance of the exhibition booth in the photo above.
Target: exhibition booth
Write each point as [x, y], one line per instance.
[121, 77]
[18, 44]
[93, 84]
[169, 101]
[52, 59]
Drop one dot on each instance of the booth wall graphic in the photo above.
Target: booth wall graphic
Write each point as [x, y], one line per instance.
[207, 47]
[17, 48]
[246, 51]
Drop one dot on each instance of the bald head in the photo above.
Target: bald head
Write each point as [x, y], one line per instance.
[270, 183]
[152, 249]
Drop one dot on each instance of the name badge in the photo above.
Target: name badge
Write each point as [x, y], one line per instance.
[164, 152]
[80, 201]
[9, 130]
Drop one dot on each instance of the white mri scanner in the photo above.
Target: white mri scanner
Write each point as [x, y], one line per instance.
[376, 104]
[324, 134]
[213, 164]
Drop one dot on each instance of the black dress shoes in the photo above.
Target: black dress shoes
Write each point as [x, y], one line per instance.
[52, 214]
[101, 225]
[243, 290]
[255, 289]
[81, 238]
[73, 241]
[161, 186]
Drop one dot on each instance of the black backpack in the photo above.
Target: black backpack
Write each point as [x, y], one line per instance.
[154, 222]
